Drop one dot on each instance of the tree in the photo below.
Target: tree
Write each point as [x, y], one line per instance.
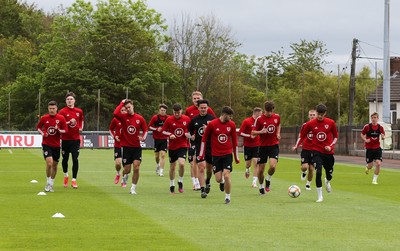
[115, 47]
[201, 48]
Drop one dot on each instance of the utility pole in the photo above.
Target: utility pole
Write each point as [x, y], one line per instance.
[352, 86]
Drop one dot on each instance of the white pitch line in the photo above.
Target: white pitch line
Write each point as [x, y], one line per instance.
[9, 150]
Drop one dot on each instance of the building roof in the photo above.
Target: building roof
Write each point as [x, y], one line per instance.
[394, 91]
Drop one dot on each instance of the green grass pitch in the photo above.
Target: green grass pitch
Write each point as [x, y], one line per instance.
[102, 216]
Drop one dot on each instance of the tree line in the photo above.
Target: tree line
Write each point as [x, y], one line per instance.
[120, 48]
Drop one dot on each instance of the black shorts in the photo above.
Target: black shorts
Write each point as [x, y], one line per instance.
[191, 151]
[373, 154]
[160, 145]
[222, 162]
[266, 152]
[49, 151]
[174, 155]
[250, 152]
[323, 159]
[70, 146]
[307, 157]
[130, 154]
[207, 157]
[117, 152]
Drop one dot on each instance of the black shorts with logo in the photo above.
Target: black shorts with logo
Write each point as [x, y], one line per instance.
[160, 145]
[49, 151]
[222, 162]
[174, 155]
[373, 154]
[117, 152]
[130, 154]
[250, 152]
[307, 157]
[266, 152]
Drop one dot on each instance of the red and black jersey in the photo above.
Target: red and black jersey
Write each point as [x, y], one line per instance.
[197, 126]
[307, 142]
[73, 126]
[245, 131]
[116, 131]
[157, 121]
[372, 132]
[131, 127]
[193, 111]
[177, 127]
[223, 139]
[324, 134]
[271, 123]
[49, 127]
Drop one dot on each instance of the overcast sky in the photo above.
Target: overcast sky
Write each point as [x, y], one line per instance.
[263, 26]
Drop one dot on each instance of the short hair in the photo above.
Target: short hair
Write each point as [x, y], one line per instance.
[197, 93]
[177, 107]
[52, 102]
[163, 106]
[70, 94]
[269, 106]
[202, 101]
[321, 108]
[128, 101]
[257, 109]
[227, 110]
[375, 114]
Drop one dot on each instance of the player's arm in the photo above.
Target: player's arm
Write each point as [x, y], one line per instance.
[278, 132]
[165, 129]
[63, 125]
[144, 130]
[151, 124]
[243, 129]
[117, 111]
[302, 135]
[235, 145]
[382, 133]
[39, 128]
[203, 144]
[81, 121]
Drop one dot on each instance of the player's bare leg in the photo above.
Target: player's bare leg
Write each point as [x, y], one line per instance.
[227, 178]
[135, 176]
[378, 164]
[162, 163]
[181, 171]
[261, 168]
[271, 171]
[172, 177]
[310, 175]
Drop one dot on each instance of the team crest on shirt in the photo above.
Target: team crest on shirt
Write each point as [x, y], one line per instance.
[184, 123]
[77, 114]
[137, 121]
[326, 126]
[276, 121]
[57, 121]
[228, 129]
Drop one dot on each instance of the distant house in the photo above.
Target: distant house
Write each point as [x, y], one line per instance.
[375, 98]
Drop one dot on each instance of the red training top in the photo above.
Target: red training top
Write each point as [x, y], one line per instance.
[271, 123]
[245, 131]
[73, 126]
[131, 126]
[49, 127]
[177, 127]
